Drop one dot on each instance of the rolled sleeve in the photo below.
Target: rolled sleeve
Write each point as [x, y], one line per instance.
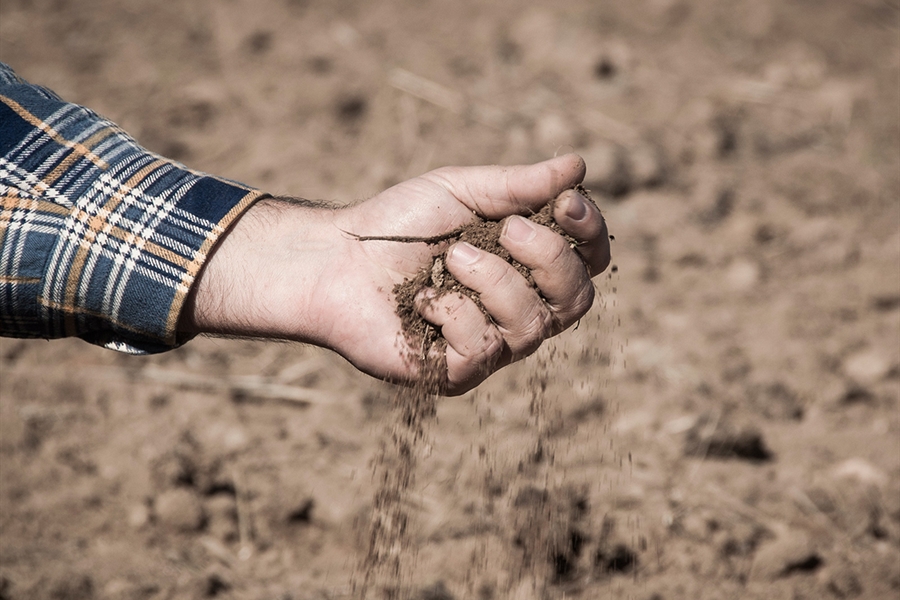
[99, 238]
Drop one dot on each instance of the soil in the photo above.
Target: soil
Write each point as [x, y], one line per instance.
[725, 423]
[481, 233]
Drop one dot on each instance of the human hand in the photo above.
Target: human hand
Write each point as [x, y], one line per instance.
[294, 272]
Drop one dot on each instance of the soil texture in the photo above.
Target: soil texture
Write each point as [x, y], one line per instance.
[724, 423]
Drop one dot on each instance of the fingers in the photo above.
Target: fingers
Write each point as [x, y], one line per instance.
[526, 316]
[558, 272]
[474, 345]
[495, 192]
[522, 317]
[581, 219]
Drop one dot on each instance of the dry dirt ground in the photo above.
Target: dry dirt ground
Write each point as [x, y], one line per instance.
[725, 423]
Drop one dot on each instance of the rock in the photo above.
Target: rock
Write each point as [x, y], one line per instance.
[860, 472]
[789, 553]
[138, 515]
[225, 439]
[867, 366]
[114, 588]
[742, 275]
[179, 509]
[719, 438]
[666, 13]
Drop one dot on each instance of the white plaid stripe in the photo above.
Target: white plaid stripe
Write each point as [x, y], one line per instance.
[124, 222]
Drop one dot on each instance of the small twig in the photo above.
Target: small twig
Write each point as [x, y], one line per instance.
[424, 339]
[409, 239]
[245, 388]
[244, 527]
[217, 550]
[250, 390]
[427, 90]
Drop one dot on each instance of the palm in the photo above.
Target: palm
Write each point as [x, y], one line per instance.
[368, 331]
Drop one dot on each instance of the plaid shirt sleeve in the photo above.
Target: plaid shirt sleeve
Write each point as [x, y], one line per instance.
[99, 238]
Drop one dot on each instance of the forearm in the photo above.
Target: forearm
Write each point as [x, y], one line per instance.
[262, 278]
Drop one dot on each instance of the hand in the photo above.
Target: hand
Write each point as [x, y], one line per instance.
[294, 272]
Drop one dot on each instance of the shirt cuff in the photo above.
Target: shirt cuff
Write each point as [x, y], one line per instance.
[101, 239]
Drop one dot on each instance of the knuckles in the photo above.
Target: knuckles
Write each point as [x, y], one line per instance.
[581, 303]
[533, 332]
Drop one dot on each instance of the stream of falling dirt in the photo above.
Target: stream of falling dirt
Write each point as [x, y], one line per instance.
[548, 513]
[384, 570]
[542, 508]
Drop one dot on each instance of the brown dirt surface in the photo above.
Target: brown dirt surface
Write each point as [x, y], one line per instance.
[725, 423]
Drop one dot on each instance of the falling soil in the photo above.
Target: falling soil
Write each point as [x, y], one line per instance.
[389, 542]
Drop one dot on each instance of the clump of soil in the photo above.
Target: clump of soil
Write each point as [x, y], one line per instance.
[484, 235]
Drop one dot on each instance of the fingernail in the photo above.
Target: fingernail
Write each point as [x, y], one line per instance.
[519, 229]
[577, 208]
[465, 253]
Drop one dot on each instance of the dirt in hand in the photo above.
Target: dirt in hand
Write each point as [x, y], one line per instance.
[484, 235]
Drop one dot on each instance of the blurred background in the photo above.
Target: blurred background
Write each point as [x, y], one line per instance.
[725, 423]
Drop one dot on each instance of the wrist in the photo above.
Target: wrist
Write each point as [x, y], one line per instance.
[262, 276]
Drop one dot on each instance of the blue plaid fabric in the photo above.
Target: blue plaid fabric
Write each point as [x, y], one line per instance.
[99, 238]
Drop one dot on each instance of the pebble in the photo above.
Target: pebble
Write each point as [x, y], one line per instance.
[179, 509]
[138, 515]
[711, 437]
[225, 439]
[789, 551]
[861, 472]
[742, 275]
[867, 366]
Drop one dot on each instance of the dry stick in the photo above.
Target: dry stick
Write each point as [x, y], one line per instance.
[247, 388]
[244, 526]
[407, 239]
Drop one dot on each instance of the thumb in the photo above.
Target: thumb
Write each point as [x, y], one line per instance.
[495, 192]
